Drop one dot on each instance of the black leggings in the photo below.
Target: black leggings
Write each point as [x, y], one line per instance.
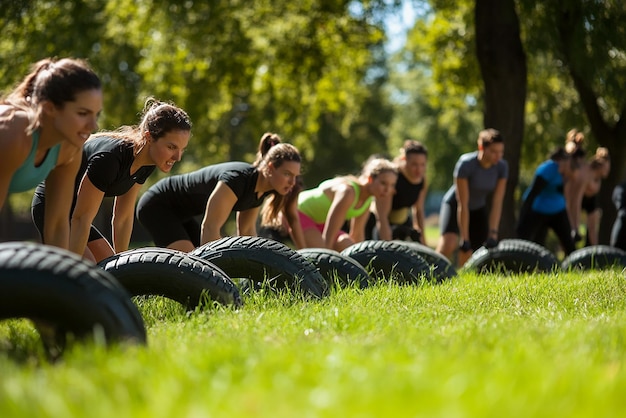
[38, 210]
[534, 227]
[478, 223]
[164, 224]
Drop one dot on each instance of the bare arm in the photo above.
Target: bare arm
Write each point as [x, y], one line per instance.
[59, 196]
[15, 146]
[462, 197]
[342, 200]
[218, 208]
[574, 190]
[418, 215]
[496, 208]
[246, 222]
[123, 218]
[88, 203]
[357, 227]
[382, 208]
[295, 228]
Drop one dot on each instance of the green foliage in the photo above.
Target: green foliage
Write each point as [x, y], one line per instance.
[488, 346]
[238, 68]
[436, 86]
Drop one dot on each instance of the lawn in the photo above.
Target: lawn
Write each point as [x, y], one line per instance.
[477, 346]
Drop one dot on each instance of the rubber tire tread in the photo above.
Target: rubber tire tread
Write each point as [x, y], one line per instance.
[173, 274]
[513, 256]
[595, 257]
[442, 268]
[41, 282]
[264, 261]
[337, 268]
[388, 260]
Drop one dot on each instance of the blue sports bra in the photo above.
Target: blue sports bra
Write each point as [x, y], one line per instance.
[27, 176]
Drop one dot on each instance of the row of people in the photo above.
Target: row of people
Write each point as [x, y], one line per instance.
[46, 127]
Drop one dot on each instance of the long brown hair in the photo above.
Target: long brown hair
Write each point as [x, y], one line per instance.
[56, 81]
[158, 119]
[272, 150]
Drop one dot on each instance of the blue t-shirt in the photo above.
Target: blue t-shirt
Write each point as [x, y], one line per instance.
[551, 199]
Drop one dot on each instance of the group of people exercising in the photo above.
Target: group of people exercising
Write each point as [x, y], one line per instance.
[47, 126]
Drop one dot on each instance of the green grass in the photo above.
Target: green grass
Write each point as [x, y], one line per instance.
[478, 346]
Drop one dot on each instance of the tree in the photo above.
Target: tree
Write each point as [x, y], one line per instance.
[239, 68]
[503, 68]
[575, 52]
[588, 41]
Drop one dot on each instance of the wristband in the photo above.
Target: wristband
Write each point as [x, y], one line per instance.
[493, 231]
[465, 246]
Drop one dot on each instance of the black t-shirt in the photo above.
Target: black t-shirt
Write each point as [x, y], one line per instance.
[188, 193]
[107, 162]
[406, 192]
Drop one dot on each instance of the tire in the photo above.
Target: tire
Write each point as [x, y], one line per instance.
[442, 268]
[66, 296]
[338, 270]
[595, 257]
[389, 260]
[265, 261]
[176, 275]
[513, 256]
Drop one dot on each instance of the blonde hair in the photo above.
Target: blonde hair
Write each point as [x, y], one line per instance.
[574, 141]
[600, 158]
[377, 166]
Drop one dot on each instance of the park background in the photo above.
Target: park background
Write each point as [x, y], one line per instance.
[339, 79]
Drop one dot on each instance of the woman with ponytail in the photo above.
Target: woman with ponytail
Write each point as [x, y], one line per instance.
[44, 123]
[116, 164]
[168, 208]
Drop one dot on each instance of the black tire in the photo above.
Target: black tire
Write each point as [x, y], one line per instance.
[337, 269]
[388, 260]
[264, 261]
[595, 257]
[66, 296]
[441, 267]
[513, 256]
[176, 275]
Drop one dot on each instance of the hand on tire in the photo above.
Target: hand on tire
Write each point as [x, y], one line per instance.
[491, 243]
[465, 246]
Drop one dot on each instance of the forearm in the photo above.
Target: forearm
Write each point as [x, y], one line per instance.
[384, 229]
[593, 223]
[122, 230]
[79, 234]
[295, 230]
[463, 221]
[249, 231]
[209, 233]
[495, 216]
[358, 235]
[57, 234]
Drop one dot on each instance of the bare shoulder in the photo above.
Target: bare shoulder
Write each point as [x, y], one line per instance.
[342, 186]
[14, 141]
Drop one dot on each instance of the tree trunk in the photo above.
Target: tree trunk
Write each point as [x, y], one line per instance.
[611, 136]
[503, 67]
